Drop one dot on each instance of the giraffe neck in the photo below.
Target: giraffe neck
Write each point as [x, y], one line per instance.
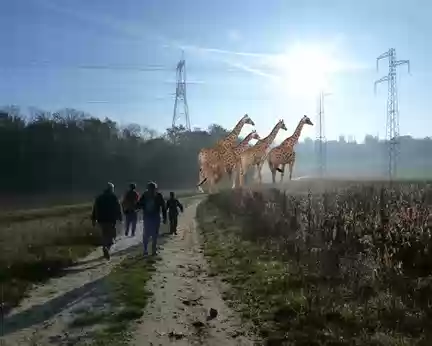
[292, 140]
[233, 135]
[265, 142]
[245, 142]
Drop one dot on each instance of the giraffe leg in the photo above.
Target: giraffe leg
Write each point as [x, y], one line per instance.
[291, 166]
[241, 172]
[230, 175]
[211, 184]
[209, 174]
[254, 173]
[259, 168]
[213, 176]
[201, 181]
[282, 173]
[273, 172]
[234, 173]
[257, 174]
[241, 178]
[219, 177]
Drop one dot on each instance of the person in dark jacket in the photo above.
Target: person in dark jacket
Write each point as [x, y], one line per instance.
[129, 203]
[106, 212]
[152, 204]
[173, 205]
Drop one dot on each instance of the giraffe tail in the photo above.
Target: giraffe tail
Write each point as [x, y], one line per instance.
[202, 182]
[272, 166]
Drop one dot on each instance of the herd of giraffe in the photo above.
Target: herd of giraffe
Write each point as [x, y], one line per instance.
[228, 157]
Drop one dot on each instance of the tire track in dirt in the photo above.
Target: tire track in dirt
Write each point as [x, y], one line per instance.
[183, 294]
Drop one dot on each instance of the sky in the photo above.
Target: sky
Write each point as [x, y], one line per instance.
[268, 59]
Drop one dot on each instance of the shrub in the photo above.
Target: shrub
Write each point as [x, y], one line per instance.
[354, 261]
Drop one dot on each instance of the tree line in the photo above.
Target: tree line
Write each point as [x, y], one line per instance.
[369, 157]
[70, 150]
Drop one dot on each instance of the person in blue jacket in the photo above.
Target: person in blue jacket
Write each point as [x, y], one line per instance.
[153, 205]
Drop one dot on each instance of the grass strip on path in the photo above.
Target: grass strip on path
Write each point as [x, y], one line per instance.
[241, 264]
[124, 302]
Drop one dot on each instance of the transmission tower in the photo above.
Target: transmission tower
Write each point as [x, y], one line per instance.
[321, 137]
[392, 123]
[180, 96]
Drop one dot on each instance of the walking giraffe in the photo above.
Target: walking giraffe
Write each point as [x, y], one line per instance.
[256, 155]
[230, 160]
[284, 153]
[208, 157]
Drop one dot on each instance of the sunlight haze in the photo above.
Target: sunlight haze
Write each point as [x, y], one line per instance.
[269, 59]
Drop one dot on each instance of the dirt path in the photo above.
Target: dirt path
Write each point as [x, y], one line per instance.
[43, 317]
[183, 296]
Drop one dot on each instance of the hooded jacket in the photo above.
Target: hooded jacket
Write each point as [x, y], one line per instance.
[106, 208]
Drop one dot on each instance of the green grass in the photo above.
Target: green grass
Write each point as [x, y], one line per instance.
[37, 214]
[125, 301]
[40, 245]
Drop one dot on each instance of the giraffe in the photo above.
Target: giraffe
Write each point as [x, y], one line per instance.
[208, 157]
[238, 150]
[290, 161]
[284, 153]
[230, 160]
[255, 156]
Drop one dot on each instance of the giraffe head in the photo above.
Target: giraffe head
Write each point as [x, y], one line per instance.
[306, 120]
[281, 125]
[247, 120]
[255, 135]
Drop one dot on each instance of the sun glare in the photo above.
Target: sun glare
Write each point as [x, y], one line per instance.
[305, 70]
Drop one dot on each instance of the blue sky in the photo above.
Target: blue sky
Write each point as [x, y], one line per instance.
[244, 56]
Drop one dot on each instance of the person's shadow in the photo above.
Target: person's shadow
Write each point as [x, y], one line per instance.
[40, 313]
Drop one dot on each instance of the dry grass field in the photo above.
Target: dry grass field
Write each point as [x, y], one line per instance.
[38, 244]
[326, 263]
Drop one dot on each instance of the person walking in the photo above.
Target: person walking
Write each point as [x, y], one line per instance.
[106, 212]
[173, 205]
[129, 203]
[152, 204]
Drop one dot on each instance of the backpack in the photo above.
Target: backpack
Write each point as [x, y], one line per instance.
[152, 203]
[130, 200]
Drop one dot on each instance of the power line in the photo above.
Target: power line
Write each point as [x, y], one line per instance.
[47, 64]
[134, 68]
[392, 122]
[166, 99]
